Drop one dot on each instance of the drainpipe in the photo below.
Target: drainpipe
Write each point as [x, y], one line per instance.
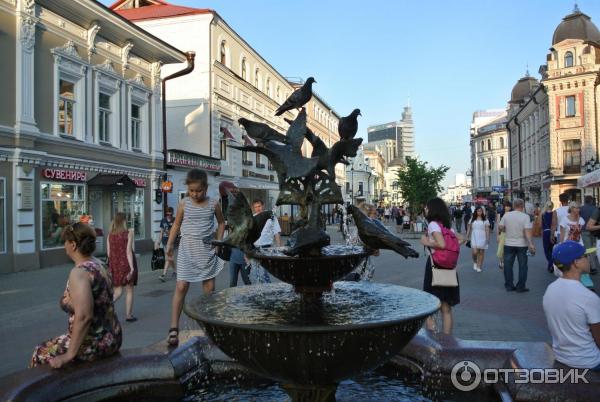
[190, 56]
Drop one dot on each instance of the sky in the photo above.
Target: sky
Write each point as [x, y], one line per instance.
[450, 58]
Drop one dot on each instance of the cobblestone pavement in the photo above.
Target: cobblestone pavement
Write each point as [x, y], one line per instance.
[29, 311]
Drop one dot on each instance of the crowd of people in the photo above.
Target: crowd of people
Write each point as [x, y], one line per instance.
[568, 232]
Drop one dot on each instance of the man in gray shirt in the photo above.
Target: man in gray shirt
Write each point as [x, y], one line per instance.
[517, 228]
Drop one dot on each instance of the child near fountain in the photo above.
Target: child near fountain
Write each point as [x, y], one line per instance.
[197, 260]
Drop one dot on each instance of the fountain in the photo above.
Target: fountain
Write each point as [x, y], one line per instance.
[310, 332]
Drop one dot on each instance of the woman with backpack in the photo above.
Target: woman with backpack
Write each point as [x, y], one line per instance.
[438, 238]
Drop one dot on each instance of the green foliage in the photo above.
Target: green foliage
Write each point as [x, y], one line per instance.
[419, 182]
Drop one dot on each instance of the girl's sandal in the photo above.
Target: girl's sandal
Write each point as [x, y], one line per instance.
[173, 338]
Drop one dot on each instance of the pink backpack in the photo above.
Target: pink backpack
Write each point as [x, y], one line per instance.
[448, 257]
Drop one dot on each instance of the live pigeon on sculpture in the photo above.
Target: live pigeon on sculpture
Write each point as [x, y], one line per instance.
[376, 236]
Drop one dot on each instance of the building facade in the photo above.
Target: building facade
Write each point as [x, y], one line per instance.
[230, 81]
[489, 148]
[571, 79]
[402, 132]
[79, 126]
[529, 140]
[387, 148]
[376, 161]
[459, 192]
[359, 184]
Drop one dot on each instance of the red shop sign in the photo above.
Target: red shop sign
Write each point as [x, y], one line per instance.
[64, 175]
[139, 182]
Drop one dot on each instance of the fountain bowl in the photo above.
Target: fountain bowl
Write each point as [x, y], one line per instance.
[269, 330]
[314, 274]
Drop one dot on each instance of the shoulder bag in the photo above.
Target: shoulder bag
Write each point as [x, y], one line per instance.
[442, 277]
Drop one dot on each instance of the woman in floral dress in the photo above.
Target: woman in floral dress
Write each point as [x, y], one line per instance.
[94, 330]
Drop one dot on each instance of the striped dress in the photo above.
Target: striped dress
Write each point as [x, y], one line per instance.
[196, 260]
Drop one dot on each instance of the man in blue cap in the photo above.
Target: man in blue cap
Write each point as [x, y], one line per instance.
[572, 310]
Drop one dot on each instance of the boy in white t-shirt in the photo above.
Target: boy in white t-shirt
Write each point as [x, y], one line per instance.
[573, 311]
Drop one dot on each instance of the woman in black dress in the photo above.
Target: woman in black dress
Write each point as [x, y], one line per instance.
[437, 214]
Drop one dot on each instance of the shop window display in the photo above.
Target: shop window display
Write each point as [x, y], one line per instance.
[62, 205]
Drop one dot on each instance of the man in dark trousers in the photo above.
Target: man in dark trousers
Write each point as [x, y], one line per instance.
[467, 213]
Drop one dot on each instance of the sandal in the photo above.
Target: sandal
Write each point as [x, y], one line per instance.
[173, 338]
[131, 319]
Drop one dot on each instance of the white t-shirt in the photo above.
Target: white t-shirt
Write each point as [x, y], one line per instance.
[570, 308]
[514, 223]
[572, 229]
[269, 231]
[561, 212]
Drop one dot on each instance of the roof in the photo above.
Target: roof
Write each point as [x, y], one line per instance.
[576, 26]
[523, 88]
[155, 9]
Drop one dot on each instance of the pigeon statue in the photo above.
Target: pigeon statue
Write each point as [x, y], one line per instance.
[295, 134]
[339, 151]
[376, 236]
[261, 132]
[286, 161]
[298, 98]
[307, 241]
[245, 229]
[348, 126]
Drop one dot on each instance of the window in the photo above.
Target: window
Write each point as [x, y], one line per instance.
[502, 162]
[2, 215]
[571, 156]
[136, 127]
[104, 118]
[568, 59]
[66, 107]
[223, 149]
[570, 106]
[62, 205]
[257, 159]
[489, 163]
[244, 68]
[268, 88]
[347, 187]
[245, 160]
[277, 93]
[501, 142]
[223, 55]
[360, 188]
[489, 181]
[502, 180]
[482, 147]
[256, 81]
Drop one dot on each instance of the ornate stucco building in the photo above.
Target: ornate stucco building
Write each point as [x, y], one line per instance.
[80, 126]
[376, 161]
[489, 153]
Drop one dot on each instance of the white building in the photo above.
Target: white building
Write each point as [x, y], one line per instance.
[459, 192]
[231, 80]
[359, 180]
[489, 153]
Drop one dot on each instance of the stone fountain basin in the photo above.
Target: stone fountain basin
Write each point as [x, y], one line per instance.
[270, 331]
[312, 274]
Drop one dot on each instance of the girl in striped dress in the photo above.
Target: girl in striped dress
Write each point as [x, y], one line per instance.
[197, 259]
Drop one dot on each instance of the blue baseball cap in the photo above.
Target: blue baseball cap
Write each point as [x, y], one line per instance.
[567, 252]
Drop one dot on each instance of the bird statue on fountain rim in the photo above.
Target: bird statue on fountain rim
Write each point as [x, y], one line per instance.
[348, 126]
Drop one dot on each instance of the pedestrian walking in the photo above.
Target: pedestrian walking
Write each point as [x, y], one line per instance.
[94, 331]
[437, 216]
[502, 209]
[491, 216]
[122, 262]
[571, 227]
[558, 215]
[458, 214]
[516, 225]
[467, 214]
[547, 234]
[589, 240]
[536, 230]
[197, 259]
[166, 224]
[479, 234]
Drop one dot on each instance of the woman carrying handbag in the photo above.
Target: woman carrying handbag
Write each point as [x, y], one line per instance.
[437, 233]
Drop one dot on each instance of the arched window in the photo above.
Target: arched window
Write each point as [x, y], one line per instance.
[489, 145]
[501, 142]
[268, 87]
[256, 74]
[223, 58]
[244, 68]
[568, 59]
[482, 146]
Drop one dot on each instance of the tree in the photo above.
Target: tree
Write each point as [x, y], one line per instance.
[418, 182]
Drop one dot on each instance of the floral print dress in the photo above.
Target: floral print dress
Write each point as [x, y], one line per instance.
[104, 334]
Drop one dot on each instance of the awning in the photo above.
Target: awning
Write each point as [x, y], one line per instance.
[589, 179]
[225, 134]
[111, 180]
